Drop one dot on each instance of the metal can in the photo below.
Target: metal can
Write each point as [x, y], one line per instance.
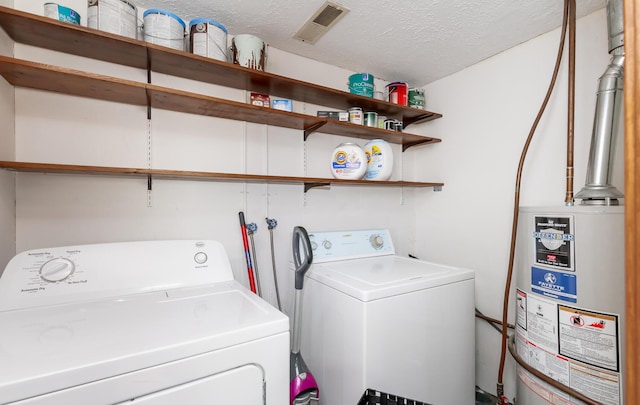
[399, 126]
[61, 13]
[381, 120]
[115, 16]
[371, 119]
[390, 124]
[397, 92]
[355, 115]
[416, 98]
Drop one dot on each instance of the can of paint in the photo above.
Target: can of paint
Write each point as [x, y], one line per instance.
[208, 38]
[248, 51]
[163, 28]
[371, 119]
[397, 93]
[356, 116]
[348, 162]
[61, 13]
[361, 84]
[416, 98]
[390, 124]
[379, 160]
[381, 120]
[115, 16]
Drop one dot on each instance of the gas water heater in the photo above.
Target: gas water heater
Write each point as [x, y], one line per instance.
[570, 302]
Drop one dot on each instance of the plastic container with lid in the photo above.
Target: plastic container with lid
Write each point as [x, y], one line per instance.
[164, 28]
[348, 162]
[379, 160]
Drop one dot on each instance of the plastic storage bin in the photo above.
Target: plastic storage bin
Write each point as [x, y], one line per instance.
[373, 397]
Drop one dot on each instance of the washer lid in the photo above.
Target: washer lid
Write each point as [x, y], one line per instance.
[380, 277]
[50, 348]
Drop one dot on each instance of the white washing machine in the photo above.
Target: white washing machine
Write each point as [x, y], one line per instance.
[160, 322]
[375, 320]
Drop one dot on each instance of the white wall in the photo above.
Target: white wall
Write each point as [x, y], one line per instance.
[488, 111]
[7, 152]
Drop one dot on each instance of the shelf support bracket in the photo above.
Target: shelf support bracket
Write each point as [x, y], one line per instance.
[310, 185]
[313, 128]
[437, 188]
[149, 182]
[420, 118]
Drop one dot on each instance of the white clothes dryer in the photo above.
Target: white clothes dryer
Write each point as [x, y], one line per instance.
[153, 323]
[375, 320]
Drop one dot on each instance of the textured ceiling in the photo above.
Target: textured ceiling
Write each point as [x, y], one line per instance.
[417, 41]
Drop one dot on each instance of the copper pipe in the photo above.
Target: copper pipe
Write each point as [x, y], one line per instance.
[492, 320]
[568, 200]
[514, 225]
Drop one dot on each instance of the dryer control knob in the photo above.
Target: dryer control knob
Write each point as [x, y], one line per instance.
[200, 257]
[57, 269]
[314, 246]
[327, 244]
[376, 241]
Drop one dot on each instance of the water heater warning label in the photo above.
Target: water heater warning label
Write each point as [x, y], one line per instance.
[589, 337]
[576, 346]
[554, 242]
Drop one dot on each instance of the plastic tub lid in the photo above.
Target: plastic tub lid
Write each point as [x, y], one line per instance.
[167, 13]
[207, 21]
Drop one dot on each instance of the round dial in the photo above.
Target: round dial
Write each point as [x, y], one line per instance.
[314, 246]
[56, 270]
[327, 244]
[376, 241]
[200, 257]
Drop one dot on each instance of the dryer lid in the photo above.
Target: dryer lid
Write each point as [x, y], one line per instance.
[45, 349]
[380, 277]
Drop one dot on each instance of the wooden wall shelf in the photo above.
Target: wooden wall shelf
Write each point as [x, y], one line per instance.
[31, 29]
[308, 182]
[39, 76]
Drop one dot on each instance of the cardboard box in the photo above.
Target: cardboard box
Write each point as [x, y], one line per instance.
[334, 115]
[282, 104]
[259, 99]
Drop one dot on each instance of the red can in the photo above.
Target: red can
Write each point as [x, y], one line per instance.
[397, 92]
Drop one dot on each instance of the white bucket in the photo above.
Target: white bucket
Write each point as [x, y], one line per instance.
[348, 162]
[208, 38]
[379, 160]
[163, 28]
[248, 51]
[115, 16]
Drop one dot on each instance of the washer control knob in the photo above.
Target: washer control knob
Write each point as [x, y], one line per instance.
[200, 257]
[376, 241]
[56, 270]
[327, 244]
[314, 246]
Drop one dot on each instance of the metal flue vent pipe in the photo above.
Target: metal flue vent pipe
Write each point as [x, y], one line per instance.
[607, 121]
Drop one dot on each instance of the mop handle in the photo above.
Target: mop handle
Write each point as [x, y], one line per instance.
[247, 254]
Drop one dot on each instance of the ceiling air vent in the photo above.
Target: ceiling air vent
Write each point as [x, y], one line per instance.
[320, 22]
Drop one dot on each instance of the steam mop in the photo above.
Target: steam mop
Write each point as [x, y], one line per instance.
[303, 388]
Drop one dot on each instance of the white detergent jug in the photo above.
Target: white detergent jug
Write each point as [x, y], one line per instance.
[379, 160]
[348, 162]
